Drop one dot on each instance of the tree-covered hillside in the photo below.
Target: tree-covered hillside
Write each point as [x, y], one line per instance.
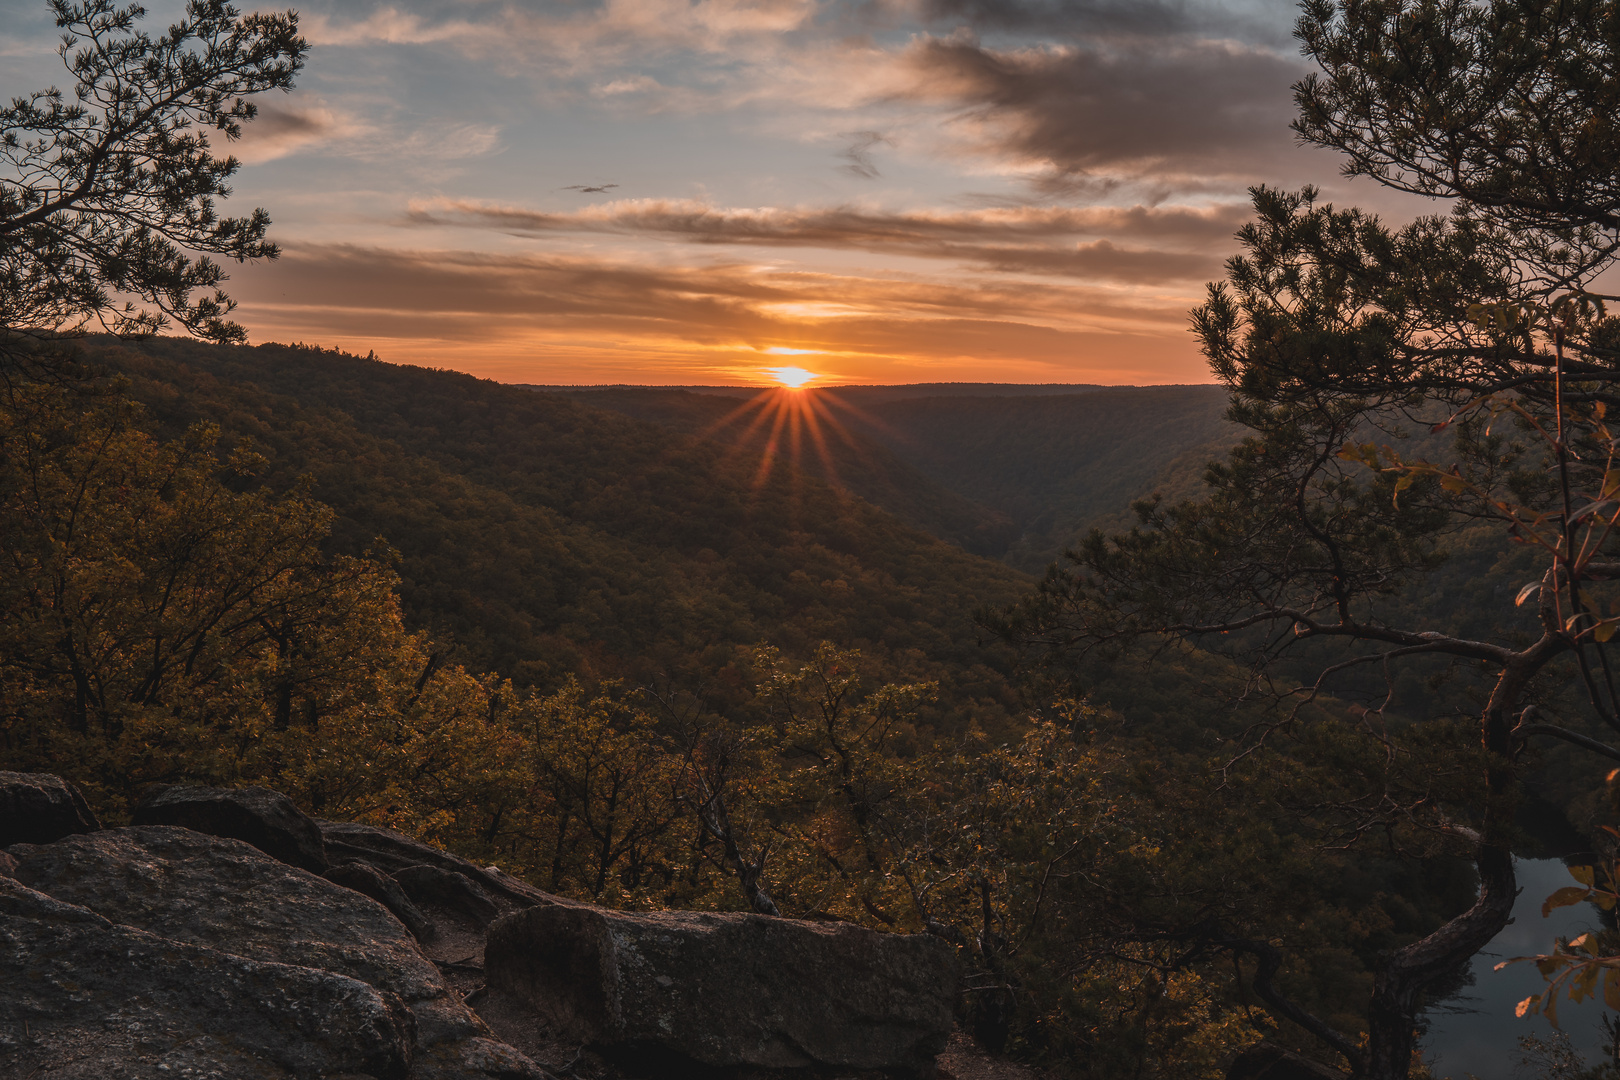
[999, 472]
[1055, 465]
[547, 538]
[841, 451]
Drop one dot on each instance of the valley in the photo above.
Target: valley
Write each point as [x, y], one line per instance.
[622, 604]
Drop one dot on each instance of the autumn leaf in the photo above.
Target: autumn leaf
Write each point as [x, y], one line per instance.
[1564, 897]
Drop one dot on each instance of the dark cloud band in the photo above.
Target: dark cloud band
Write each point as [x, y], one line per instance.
[1136, 110]
[1174, 243]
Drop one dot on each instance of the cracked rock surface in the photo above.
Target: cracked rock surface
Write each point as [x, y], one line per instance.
[184, 889]
[87, 997]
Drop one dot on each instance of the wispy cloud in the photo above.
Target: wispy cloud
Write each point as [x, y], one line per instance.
[859, 153]
[559, 30]
[390, 26]
[1264, 21]
[281, 129]
[1043, 240]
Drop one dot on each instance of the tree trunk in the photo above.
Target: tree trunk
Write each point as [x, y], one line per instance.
[79, 714]
[1392, 1015]
[1397, 990]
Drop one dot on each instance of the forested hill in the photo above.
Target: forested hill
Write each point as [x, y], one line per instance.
[1000, 470]
[545, 537]
[841, 452]
[864, 395]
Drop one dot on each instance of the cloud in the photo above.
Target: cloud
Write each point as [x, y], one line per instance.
[471, 311]
[1114, 92]
[639, 84]
[1258, 20]
[281, 130]
[425, 146]
[389, 26]
[1122, 113]
[1170, 113]
[1041, 240]
[589, 32]
[859, 153]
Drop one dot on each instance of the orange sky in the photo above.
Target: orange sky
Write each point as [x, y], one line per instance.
[526, 319]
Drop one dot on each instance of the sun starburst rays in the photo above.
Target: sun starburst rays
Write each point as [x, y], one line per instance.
[796, 428]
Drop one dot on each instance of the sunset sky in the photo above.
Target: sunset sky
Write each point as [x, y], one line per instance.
[668, 191]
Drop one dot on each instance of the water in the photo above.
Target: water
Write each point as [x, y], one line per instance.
[1476, 1032]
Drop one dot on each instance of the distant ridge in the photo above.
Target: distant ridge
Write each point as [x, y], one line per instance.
[1015, 471]
[862, 391]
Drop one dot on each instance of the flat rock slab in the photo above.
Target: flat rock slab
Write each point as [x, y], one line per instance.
[266, 819]
[225, 894]
[36, 808]
[674, 990]
[87, 998]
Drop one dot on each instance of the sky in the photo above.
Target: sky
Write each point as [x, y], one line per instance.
[701, 191]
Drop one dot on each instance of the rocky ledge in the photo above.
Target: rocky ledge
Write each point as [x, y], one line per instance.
[227, 935]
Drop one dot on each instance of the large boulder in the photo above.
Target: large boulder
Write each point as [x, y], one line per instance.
[85, 998]
[36, 808]
[218, 893]
[266, 819]
[677, 990]
[448, 889]
[369, 881]
[391, 851]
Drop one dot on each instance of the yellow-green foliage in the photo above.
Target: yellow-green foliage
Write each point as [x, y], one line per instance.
[158, 625]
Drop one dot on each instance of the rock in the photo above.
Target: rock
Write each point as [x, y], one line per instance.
[1268, 1061]
[87, 998]
[965, 1059]
[391, 851]
[678, 990]
[369, 881]
[36, 808]
[448, 889]
[220, 893]
[485, 1059]
[8, 865]
[266, 819]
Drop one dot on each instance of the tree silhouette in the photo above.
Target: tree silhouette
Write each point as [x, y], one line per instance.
[1335, 331]
[105, 191]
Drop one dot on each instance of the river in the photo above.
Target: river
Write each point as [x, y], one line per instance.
[1476, 1032]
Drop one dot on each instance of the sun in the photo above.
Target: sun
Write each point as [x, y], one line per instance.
[788, 427]
[795, 377]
